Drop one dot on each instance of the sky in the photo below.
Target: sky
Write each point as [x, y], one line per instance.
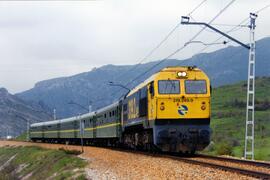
[41, 40]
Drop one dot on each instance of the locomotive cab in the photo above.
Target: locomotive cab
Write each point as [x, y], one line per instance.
[179, 104]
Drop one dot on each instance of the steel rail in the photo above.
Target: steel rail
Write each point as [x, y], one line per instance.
[243, 161]
[252, 173]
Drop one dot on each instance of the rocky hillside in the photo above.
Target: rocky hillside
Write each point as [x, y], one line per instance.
[14, 112]
[225, 66]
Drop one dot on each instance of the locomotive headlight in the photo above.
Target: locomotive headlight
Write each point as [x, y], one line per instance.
[184, 74]
[181, 74]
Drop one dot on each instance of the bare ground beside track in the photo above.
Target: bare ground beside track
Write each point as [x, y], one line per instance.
[113, 164]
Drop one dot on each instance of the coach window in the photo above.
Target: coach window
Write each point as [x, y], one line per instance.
[105, 115]
[110, 114]
[113, 113]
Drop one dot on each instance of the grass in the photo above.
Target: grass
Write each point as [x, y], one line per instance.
[229, 115]
[22, 137]
[38, 163]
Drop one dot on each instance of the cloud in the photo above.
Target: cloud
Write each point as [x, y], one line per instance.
[41, 40]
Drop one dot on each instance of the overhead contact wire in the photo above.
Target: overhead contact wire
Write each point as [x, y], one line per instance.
[159, 45]
[162, 41]
[181, 48]
[244, 21]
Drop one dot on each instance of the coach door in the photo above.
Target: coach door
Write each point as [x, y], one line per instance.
[42, 130]
[74, 128]
[82, 124]
[119, 120]
[94, 126]
[58, 130]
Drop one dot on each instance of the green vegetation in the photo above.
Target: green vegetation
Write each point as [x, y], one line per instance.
[228, 119]
[22, 137]
[38, 163]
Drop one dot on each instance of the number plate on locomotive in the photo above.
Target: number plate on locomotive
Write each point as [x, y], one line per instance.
[183, 100]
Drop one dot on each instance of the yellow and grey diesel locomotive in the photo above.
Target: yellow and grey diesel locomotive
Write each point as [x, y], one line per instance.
[170, 111]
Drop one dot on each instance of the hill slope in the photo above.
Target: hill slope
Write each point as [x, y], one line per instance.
[37, 163]
[225, 66]
[10, 106]
[229, 115]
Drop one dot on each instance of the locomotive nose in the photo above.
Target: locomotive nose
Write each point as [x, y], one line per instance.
[182, 138]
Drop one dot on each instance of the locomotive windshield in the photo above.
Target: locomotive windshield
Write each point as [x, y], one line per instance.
[168, 87]
[195, 86]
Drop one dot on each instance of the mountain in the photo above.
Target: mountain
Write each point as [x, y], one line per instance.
[14, 114]
[224, 66]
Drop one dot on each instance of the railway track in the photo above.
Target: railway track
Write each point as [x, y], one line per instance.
[250, 162]
[244, 167]
[249, 168]
[222, 163]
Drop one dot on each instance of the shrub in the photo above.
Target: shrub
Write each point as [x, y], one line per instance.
[235, 142]
[259, 105]
[262, 105]
[235, 103]
[210, 147]
[224, 148]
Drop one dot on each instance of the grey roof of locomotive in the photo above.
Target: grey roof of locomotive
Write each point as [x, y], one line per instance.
[74, 118]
